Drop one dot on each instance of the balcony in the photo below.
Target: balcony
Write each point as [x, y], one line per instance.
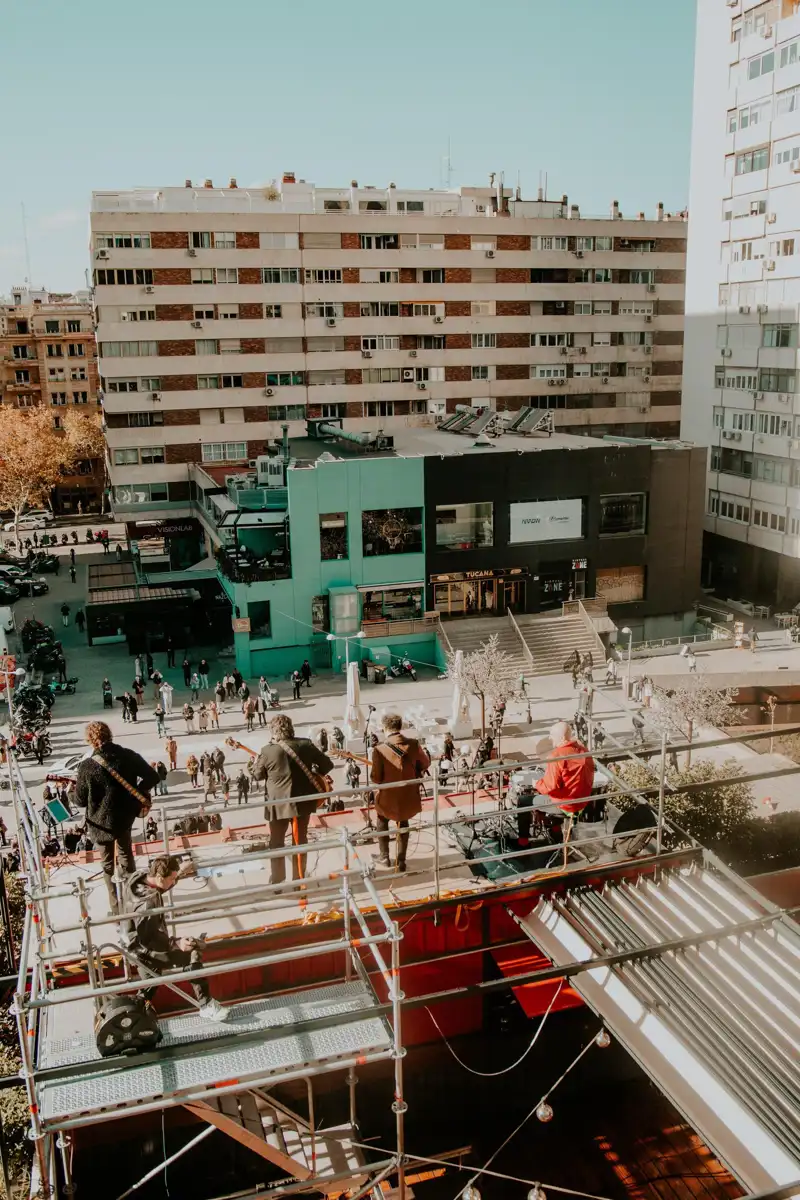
[401, 628]
[243, 566]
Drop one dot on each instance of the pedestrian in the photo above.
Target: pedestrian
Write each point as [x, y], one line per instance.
[156, 679]
[243, 693]
[35, 538]
[108, 699]
[322, 740]
[352, 773]
[647, 690]
[161, 771]
[161, 727]
[65, 614]
[192, 767]
[117, 551]
[80, 620]
[220, 691]
[137, 687]
[137, 667]
[194, 684]
[305, 671]
[149, 664]
[637, 720]
[692, 663]
[187, 671]
[210, 785]
[242, 787]
[133, 707]
[611, 670]
[230, 686]
[752, 638]
[151, 942]
[218, 761]
[337, 738]
[114, 786]
[166, 690]
[126, 700]
[203, 673]
[104, 542]
[263, 687]
[202, 718]
[397, 758]
[290, 767]
[261, 710]
[170, 651]
[213, 712]
[226, 790]
[72, 574]
[249, 710]
[3, 832]
[171, 747]
[188, 716]
[61, 664]
[237, 678]
[297, 683]
[72, 555]
[40, 746]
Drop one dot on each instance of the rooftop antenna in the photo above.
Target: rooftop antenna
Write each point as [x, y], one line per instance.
[27, 247]
[447, 167]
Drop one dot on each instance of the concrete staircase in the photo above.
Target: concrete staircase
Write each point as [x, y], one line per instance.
[471, 635]
[551, 640]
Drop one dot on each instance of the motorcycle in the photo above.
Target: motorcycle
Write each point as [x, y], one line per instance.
[24, 745]
[75, 537]
[64, 539]
[64, 688]
[403, 666]
[89, 535]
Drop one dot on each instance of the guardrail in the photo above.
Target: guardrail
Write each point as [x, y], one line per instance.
[401, 628]
[526, 650]
[714, 633]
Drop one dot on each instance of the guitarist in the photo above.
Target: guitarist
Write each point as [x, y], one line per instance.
[290, 766]
[114, 786]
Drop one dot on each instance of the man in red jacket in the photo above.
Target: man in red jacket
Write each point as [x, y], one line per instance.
[567, 781]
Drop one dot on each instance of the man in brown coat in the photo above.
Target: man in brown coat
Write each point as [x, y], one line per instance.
[398, 758]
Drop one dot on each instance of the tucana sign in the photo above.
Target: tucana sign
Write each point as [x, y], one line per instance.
[546, 520]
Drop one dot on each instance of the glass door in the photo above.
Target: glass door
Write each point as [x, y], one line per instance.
[514, 595]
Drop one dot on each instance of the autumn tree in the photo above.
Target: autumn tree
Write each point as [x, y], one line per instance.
[687, 708]
[488, 673]
[83, 434]
[32, 459]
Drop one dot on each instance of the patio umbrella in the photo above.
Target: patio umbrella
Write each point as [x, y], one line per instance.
[353, 716]
[460, 720]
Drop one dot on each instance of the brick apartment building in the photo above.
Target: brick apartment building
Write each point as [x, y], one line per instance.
[48, 356]
[222, 313]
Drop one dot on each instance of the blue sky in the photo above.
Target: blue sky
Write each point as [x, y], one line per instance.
[597, 93]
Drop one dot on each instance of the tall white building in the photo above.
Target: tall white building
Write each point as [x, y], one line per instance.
[742, 294]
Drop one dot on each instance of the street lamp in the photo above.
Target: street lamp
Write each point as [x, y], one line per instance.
[629, 632]
[347, 639]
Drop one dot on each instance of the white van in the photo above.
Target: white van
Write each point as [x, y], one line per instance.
[7, 621]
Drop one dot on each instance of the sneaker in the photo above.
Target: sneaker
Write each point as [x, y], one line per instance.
[214, 1011]
[380, 861]
[401, 868]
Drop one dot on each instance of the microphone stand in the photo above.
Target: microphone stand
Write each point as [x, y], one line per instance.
[370, 801]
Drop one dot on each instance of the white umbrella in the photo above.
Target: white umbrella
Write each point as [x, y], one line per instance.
[460, 720]
[353, 716]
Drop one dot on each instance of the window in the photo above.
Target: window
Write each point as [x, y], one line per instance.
[204, 314]
[120, 276]
[601, 369]
[719, 418]
[333, 378]
[424, 374]
[549, 243]
[280, 275]
[603, 338]
[624, 514]
[78, 373]
[786, 153]
[52, 326]
[230, 346]
[332, 536]
[224, 241]
[773, 470]
[138, 314]
[373, 206]
[379, 241]
[432, 275]
[58, 397]
[54, 350]
[202, 274]
[122, 241]
[281, 241]
[735, 378]
[379, 408]
[774, 425]
[730, 508]
[286, 379]
[137, 420]
[228, 312]
[584, 243]
[482, 308]
[140, 493]
[127, 349]
[762, 64]
[380, 308]
[551, 339]
[583, 308]
[774, 380]
[391, 531]
[326, 310]
[636, 337]
[636, 308]
[150, 384]
[273, 312]
[743, 422]
[620, 585]
[324, 275]
[22, 376]
[480, 372]
[604, 243]
[206, 346]
[780, 335]
[126, 458]
[73, 326]
[231, 381]
[464, 526]
[581, 371]
[752, 160]
[381, 375]
[785, 247]
[410, 206]
[641, 276]
[223, 451]
[431, 341]
[200, 241]
[769, 520]
[151, 454]
[380, 342]
[427, 310]
[204, 382]
[789, 55]
[788, 101]
[122, 385]
[80, 397]
[227, 274]
[374, 276]
[548, 371]
[484, 341]
[333, 410]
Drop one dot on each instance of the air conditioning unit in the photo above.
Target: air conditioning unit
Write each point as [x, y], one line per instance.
[330, 322]
[651, 287]
[438, 320]
[648, 319]
[643, 408]
[647, 349]
[744, 309]
[758, 395]
[480, 208]
[579, 254]
[101, 254]
[772, 218]
[366, 354]
[783, 398]
[412, 354]
[269, 391]
[646, 378]
[408, 375]
[563, 350]
[581, 349]
[192, 252]
[421, 387]
[197, 324]
[551, 383]
[762, 308]
[767, 32]
[770, 264]
[726, 353]
[561, 382]
[155, 395]
[490, 253]
[604, 379]
[149, 289]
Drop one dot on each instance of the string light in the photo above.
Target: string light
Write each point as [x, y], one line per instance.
[470, 1192]
[603, 1039]
[537, 1193]
[544, 1112]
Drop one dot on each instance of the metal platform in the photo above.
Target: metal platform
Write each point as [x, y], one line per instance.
[201, 1069]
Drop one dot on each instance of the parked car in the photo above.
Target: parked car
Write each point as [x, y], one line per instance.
[44, 562]
[28, 521]
[30, 586]
[8, 592]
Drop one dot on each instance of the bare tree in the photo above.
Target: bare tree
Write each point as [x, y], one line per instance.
[488, 673]
[695, 704]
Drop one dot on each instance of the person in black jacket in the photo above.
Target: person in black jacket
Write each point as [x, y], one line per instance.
[111, 808]
[150, 941]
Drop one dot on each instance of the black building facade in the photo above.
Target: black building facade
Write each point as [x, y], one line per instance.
[528, 529]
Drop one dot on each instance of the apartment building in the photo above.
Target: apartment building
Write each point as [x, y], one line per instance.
[48, 356]
[224, 312]
[743, 290]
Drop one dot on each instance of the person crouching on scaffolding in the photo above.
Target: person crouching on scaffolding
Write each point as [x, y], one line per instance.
[150, 943]
[567, 782]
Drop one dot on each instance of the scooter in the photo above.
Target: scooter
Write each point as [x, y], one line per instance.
[75, 536]
[403, 667]
[64, 688]
[65, 539]
[89, 535]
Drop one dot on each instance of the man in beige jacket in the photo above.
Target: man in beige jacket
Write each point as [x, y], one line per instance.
[395, 760]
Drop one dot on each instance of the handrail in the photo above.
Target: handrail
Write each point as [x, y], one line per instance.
[714, 633]
[525, 647]
[578, 609]
[440, 632]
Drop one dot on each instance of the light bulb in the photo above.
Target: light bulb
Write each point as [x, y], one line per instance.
[603, 1039]
[470, 1192]
[537, 1193]
[544, 1112]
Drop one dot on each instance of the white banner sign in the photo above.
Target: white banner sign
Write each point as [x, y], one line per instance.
[546, 520]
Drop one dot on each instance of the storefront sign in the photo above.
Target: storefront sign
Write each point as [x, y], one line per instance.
[462, 576]
[241, 624]
[546, 520]
[580, 564]
[171, 527]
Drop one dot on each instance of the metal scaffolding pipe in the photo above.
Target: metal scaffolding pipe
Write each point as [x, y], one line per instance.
[162, 1166]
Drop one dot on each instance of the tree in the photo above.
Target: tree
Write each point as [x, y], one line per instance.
[693, 705]
[32, 459]
[485, 673]
[712, 814]
[85, 438]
